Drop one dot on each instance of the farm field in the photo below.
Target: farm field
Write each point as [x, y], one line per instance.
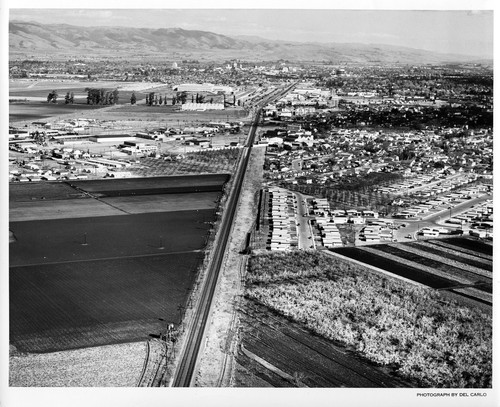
[124, 205]
[19, 112]
[413, 335]
[440, 264]
[307, 359]
[117, 365]
[62, 306]
[44, 209]
[153, 185]
[218, 161]
[49, 190]
[78, 280]
[108, 237]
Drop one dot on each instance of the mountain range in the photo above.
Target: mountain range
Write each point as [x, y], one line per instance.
[29, 38]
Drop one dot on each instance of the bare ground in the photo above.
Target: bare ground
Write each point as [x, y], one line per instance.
[217, 362]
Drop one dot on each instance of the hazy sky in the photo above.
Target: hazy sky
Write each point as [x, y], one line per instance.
[461, 32]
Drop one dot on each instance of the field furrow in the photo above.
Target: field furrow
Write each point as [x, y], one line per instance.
[441, 261]
[448, 274]
[470, 252]
[453, 254]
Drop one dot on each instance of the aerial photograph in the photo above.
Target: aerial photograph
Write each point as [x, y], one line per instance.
[250, 199]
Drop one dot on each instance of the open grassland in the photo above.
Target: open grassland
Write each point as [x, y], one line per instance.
[89, 303]
[101, 366]
[411, 330]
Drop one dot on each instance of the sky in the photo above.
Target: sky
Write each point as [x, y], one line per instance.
[447, 31]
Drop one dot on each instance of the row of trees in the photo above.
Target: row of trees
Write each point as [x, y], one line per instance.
[153, 99]
[94, 97]
[101, 96]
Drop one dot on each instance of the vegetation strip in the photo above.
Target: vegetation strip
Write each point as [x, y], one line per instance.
[417, 265]
[394, 269]
[454, 254]
[472, 292]
[440, 262]
[461, 250]
[471, 245]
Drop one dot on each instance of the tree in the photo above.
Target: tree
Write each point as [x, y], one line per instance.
[115, 96]
[160, 100]
[133, 99]
[67, 98]
[52, 97]
[181, 97]
[71, 97]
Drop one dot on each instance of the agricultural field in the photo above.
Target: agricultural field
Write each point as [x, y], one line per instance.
[49, 190]
[62, 240]
[19, 112]
[299, 358]
[79, 304]
[153, 185]
[202, 162]
[461, 266]
[78, 280]
[374, 331]
[117, 365]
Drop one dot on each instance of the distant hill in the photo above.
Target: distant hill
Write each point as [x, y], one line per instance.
[34, 38]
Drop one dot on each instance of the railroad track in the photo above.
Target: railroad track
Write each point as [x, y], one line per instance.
[195, 333]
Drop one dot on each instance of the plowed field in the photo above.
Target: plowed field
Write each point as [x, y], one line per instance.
[80, 279]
